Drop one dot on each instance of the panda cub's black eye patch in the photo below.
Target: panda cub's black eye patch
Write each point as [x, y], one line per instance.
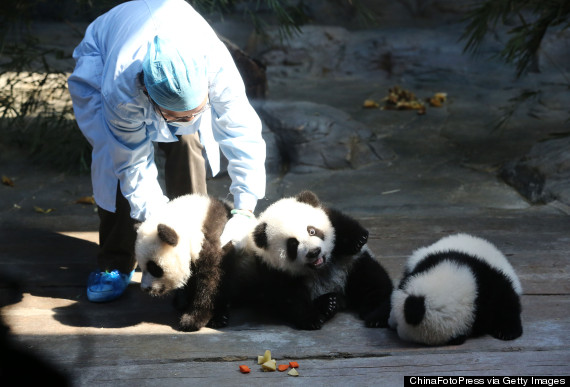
[154, 270]
[313, 231]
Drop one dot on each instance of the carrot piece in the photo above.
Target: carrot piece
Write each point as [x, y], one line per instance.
[293, 364]
[283, 367]
[244, 369]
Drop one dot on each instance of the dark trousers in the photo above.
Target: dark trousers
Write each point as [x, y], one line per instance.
[185, 172]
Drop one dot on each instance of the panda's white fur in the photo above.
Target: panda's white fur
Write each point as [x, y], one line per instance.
[289, 218]
[178, 249]
[308, 256]
[449, 291]
[186, 215]
[448, 313]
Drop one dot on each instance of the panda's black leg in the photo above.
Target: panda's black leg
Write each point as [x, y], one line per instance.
[507, 323]
[180, 299]
[204, 281]
[194, 320]
[222, 303]
[368, 290]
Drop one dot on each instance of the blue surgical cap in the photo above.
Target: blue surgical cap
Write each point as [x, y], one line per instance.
[174, 81]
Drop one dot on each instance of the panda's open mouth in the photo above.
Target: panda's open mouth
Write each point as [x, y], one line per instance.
[318, 263]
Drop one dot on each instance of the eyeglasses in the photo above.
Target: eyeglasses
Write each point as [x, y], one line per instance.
[189, 118]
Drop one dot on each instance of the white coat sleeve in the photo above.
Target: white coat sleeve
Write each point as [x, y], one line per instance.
[132, 155]
[237, 129]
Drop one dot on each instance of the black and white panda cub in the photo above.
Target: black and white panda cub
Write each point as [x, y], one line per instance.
[305, 261]
[179, 249]
[458, 287]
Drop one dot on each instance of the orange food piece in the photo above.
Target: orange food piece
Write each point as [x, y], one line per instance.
[244, 369]
[283, 367]
[293, 364]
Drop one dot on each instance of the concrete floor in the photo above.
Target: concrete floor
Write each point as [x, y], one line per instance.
[134, 340]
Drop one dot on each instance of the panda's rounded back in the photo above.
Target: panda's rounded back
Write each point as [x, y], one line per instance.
[472, 246]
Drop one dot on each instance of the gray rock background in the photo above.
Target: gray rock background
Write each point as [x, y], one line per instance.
[490, 125]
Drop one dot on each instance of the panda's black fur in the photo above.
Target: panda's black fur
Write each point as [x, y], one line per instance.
[459, 287]
[179, 251]
[305, 279]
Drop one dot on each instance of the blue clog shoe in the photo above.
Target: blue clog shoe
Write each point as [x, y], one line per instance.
[104, 286]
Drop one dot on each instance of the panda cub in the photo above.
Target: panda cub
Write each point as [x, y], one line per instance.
[179, 250]
[304, 261]
[460, 286]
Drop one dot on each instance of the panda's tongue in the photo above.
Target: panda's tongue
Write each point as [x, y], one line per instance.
[318, 262]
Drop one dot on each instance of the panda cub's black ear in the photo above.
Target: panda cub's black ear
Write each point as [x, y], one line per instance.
[260, 235]
[167, 234]
[308, 197]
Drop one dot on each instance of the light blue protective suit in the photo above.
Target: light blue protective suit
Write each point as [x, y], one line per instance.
[119, 122]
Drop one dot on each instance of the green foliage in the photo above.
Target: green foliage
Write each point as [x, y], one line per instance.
[532, 20]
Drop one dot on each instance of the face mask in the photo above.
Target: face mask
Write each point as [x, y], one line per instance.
[182, 124]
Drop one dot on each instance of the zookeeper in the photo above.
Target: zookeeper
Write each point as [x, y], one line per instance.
[155, 71]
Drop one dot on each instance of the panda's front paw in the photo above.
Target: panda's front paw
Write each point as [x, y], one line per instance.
[361, 241]
[219, 321]
[357, 241]
[322, 310]
[507, 325]
[195, 320]
[507, 333]
[458, 340]
[312, 325]
[377, 317]
[327, 306]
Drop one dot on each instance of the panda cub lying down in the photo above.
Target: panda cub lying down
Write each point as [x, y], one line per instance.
[458, 287]
[179, 250]
[304, 261]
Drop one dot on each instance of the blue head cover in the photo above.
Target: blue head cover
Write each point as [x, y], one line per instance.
[174, 81]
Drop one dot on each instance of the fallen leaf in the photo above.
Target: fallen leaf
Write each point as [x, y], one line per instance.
[401, 99]
[7, 181]
[441, 96]
[42, 211]
[85, 200]
[438, 99]
[370, 104]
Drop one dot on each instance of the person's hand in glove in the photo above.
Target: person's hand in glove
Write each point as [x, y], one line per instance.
[238, 227]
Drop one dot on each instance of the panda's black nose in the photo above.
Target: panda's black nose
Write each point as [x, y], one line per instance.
[314, 253]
